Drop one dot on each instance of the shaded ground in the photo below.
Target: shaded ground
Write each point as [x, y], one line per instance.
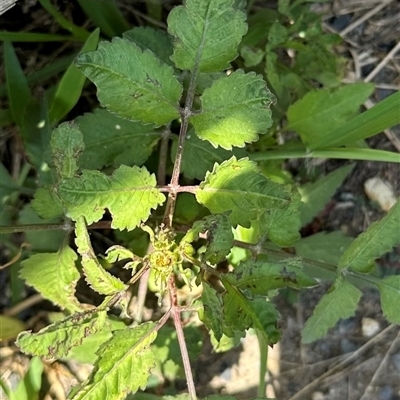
[351, 363]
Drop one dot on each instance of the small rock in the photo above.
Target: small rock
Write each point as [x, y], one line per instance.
[317, 396]
[369, 327]
[380, 191]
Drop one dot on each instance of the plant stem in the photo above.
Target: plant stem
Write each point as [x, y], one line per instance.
[174, 184]
[176, 315]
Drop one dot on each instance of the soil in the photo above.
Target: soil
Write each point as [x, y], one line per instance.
[350, 362]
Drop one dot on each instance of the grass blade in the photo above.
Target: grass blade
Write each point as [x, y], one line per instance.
[36, 37]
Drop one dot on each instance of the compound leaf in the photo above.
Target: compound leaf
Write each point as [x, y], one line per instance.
[389, 289]
[259, 277]
[55, 340]
[54, 275]
[129, 194]
[96, 276]
[239, 187]
[123, 365]
[132, 83]
[308, 115]
[378, 239]
[154, 40]
[66, 146]
[234, 110]
[199, 156]
[340, 302]
[206, 34]
[112, 140]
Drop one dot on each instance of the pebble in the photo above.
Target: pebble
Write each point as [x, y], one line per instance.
[369, 327]
[317, 396]
[380, 191]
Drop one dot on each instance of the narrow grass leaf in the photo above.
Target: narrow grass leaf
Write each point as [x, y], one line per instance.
[234, 110]
[56, 340]
[389, 289]
[29, 387]
[238, 186]
[315, 195]
[112, 140]
[55, 276]
[132, 83]
[340, 302]
[17, 86]
[70, 87]
[128, 188]
[378, 239]
[123, 365]
[35, 37]
[106, 16]
[309, 115]
[96, 276]
[375, 120]
[206, 34]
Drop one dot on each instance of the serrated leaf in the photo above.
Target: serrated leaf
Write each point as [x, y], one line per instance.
[123, 365]
[340, 302]
[252, 56]
[378, 239]
[119, 253]
[128, 188]
[55, 340]
[282, 226]
[200, 156]
[66, 147]
[154, 40]
[315, 195]
[132, 83]
[389, 289]
[259, 277]
[96, 276]
[219, 236]
[309, 115]
[234, 110]
[206, 34]
[46, 203]
[213, 317]
[237, 186]
[111, 140]
[54, 275]
[241, 314]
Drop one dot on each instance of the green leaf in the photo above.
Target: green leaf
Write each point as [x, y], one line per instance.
[200, 156]
[389, 289]
[219, 236]
[315, 195]
[18, 89]
[128, 188]
[96, 276]
[69, 89]
[132, 83]
[10, 327]
[56, 340]
[282, 226]
[206, 34]
[378, 239]
[309, 115]
[252, 56]
[154, 40]
[29, 387]
[340, 302]
[241, 314]
[66, 146]
[7, 187]
[123, 365]
[213, 316]
[234, 110]
[111, 140]
[259, 277]
[378, 118]
[54, 275]
[47, 204]
[106, 16]
[237, 186]
[35, 37]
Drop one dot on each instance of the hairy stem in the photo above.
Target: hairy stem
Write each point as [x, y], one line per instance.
[174, 184]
